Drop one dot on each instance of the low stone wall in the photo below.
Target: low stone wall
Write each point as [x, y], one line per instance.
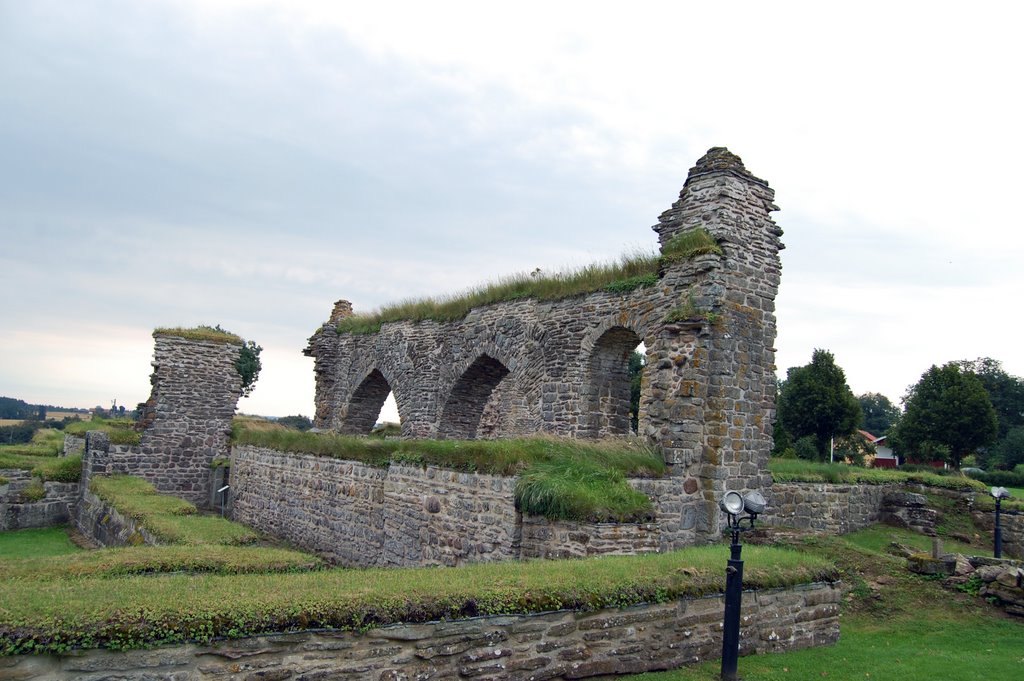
[105, 526]
[360, 515]
[543, 538]
[20, 512]
[1012, 525]
[556, 645]
[822, 507]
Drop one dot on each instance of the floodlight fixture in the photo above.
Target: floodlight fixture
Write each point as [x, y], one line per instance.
[735, 505]
[754, 502]
[998, 493]
[732, 503]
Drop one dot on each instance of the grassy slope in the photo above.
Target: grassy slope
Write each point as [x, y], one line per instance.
[895, 625]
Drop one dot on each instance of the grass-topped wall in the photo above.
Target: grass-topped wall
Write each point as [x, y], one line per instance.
[631, 272]
[51, 613]
[169, 519]
[559, 478]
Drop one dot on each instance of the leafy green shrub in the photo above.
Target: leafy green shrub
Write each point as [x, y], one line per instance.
[1001, 478]
[248, 366]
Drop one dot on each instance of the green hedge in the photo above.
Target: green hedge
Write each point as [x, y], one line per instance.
[799, 470]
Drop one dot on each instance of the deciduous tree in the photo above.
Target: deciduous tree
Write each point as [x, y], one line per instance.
[948, 414]
[815, 400]
[880, 414]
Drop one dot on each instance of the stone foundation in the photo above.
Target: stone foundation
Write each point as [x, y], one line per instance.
[404, 515]
[821, 507]
[557, 645]
[1012, 525]
[106, 526]
[20, 512]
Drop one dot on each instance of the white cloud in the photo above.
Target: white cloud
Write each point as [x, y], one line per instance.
[248, 163]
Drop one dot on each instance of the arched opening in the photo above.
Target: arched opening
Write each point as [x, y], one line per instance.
[613, 376]
[365, 406]
[460, 418]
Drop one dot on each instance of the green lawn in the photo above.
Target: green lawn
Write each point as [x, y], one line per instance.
[937, 644]
[895, 625]
[46, 542]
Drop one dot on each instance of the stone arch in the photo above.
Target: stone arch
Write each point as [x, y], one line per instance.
[607, 384]
[460, 417]
[365, 404]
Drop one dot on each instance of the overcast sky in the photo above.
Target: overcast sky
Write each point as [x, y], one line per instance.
[249, 163]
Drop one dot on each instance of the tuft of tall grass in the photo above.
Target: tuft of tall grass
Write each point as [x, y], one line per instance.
[690, 244]
[580, 490]
[168, 518]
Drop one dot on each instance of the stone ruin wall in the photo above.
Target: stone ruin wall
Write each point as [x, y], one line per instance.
[553, 645]
[358, 515]
[560, 367]
[196, 387]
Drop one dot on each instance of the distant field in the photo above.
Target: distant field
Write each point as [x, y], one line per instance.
[58, 415]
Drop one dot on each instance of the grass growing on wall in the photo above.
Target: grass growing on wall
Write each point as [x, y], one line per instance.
[559, 478]
[168, 518]
[630, 272]
[213, 334]
[135, 611]
[120, 431]
[46, 468]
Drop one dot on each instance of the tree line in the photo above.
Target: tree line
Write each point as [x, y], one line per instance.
[965, 408]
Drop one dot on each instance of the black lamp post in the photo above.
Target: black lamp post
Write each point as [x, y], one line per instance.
[734, 504]
[999, 493]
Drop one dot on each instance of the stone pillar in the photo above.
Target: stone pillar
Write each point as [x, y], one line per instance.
[196, 386]
[718, 389]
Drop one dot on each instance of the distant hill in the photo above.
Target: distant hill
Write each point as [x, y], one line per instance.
[14, 409]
